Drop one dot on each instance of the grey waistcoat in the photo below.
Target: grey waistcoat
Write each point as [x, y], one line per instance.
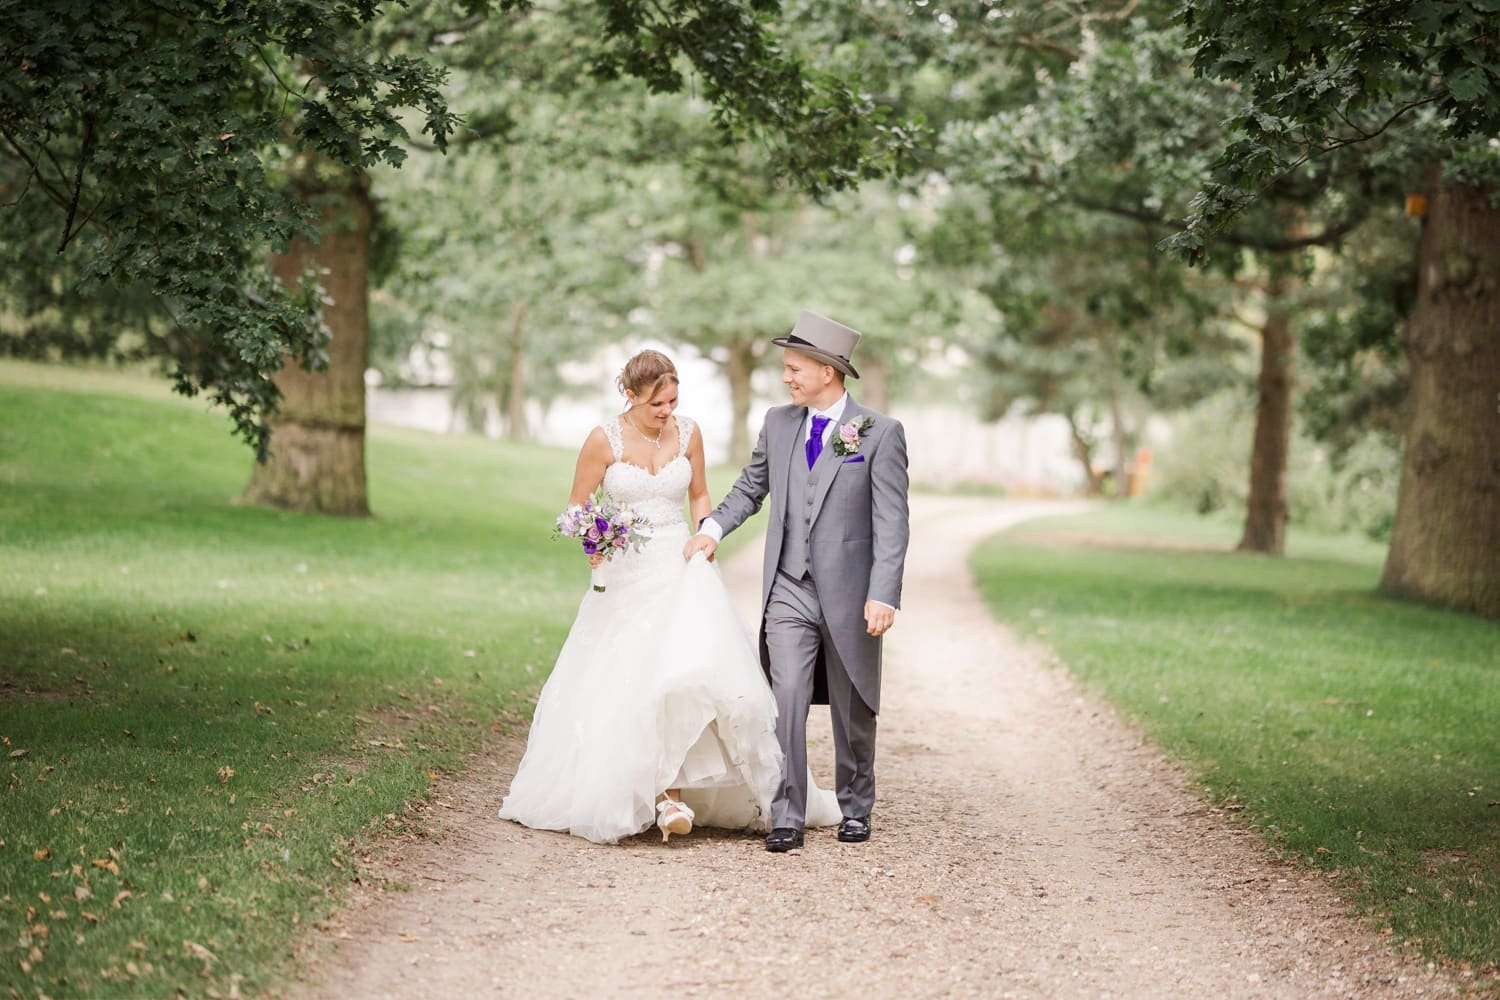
[799, 505]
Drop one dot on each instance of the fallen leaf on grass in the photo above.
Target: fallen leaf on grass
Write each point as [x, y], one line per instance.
[82, 892]
[196, 949]
[225, 773]
[120, 897]
[92, 918]
[108, 864]
[19, 753]
[41, 854]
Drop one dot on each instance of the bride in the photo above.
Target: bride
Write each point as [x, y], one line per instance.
[657, 708]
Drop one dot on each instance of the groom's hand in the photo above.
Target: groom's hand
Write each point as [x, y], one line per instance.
[700, 543]
[879, 617]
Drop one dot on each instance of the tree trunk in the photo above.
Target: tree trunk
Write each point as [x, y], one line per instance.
[739, 367]
[1083, 450]
[1117, 439]
[317, 461]
[874, 386]
[1445, 542]
[515, 390]
[1266, 509]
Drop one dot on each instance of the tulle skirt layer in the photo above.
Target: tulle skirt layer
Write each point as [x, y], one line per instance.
[658, 686]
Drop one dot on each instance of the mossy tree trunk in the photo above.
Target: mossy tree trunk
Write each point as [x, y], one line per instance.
[1083, 449]
[744, 355]
[515, 388]
[1445, 542]
[1266, 508]
[317, 461]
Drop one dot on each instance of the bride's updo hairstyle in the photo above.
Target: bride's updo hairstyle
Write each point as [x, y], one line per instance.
[645, 374]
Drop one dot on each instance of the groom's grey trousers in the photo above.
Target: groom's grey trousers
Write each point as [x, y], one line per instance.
[795, 629]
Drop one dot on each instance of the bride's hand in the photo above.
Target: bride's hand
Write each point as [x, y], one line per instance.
[596, 560]
[699, 543]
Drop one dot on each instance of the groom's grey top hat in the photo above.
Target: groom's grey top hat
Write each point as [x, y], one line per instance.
[823, 339]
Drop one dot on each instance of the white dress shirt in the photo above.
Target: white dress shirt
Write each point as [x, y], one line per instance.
[711, 528]
[832, 413]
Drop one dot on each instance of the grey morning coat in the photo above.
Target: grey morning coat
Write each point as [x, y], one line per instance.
[856, 528]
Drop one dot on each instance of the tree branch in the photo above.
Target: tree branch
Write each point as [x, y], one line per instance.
[275, 75]
[24, 188]
[1234, 316]
[1032, 43]
[460, 138]
[1330, 234]
[430, 35]
[89, 121]
[36, 170]
[1366, 136]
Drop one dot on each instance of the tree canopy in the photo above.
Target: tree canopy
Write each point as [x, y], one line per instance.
[1419, 77]
[149, 143]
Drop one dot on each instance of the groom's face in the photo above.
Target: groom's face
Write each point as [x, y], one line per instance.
[808, 380]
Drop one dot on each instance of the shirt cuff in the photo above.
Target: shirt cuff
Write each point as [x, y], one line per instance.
[711, 528]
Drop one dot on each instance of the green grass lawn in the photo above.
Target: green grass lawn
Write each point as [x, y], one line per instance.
[1358, 732]
[210, 710]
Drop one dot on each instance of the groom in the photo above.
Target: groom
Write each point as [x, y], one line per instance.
[835, 549]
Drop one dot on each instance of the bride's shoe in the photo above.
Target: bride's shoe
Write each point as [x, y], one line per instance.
[672, 817]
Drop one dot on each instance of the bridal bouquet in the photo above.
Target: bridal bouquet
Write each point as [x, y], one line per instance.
[603, 528]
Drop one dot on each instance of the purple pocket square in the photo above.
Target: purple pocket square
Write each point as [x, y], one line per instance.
[856, 458]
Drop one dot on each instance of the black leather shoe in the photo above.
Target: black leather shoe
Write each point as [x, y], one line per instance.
[783, 839]
[854, 829]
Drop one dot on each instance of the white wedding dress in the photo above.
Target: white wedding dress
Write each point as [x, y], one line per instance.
[657, 686]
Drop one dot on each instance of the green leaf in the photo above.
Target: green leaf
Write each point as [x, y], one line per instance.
[1469, 84]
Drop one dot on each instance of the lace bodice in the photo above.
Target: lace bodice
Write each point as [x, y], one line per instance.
[659, 498]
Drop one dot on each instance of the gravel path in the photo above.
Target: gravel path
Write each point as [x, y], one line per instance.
[1028, 843]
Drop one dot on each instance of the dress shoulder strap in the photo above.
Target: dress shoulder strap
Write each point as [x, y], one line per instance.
[611, 430]
[685, 427]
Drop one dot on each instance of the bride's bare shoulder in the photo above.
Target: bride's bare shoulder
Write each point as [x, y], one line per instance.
[597, 445]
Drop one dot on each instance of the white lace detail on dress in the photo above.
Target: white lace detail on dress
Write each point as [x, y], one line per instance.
[611, 429]
[660, 497]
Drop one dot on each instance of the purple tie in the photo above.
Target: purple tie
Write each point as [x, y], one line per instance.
[815, 440]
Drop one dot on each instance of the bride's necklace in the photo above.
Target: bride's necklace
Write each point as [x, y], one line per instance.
[654, 440]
